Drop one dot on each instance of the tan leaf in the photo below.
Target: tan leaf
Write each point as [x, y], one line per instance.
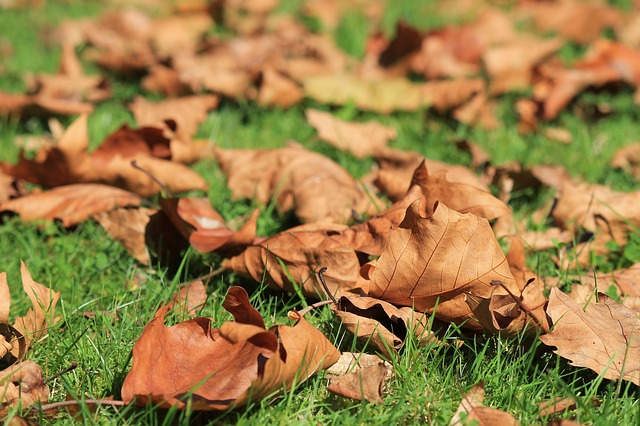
[187, 112]
[278, 90]
[430, 263]
[363, 379]
[225, 367]
[22, 384]
[609, 342]
[291, 258]
[192, 296]
[628, 158]
[128, 226]
[35, 323]
[360, 139]
[382, 324]
[69, 162]
[314, 186]
[471, 411]
[72, 204]
[396, 169]
[460, 197]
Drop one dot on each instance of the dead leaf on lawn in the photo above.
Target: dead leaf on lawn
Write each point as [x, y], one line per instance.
[290, 259]
[22, 384]
[191, 297]
[72, 204]
[382, 324]
[128, 226]
[431, 262]
[69, 162]
[360, 139]
[460, 197]
[471, 411]
[628, 158]
[359, 376]
[187, 112]
[609, 342]
[16, 339]
[314, 186]
[220, 368]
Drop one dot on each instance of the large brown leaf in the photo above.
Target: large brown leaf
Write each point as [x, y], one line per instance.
[22, 384]
[430, 263]
[461, 197]
[291, 258]
[69, 162]
[223, 367]
[604, 337]
[360, 139]
[315, 187]
[471, 411]
[72, 204]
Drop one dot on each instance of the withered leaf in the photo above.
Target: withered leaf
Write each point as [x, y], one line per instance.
[72, 204]
[359, 376]
[128, 226]
[431, 262]
[223, 367]
[16, 339]
[380, 323]
[295, 255]
[609, 336]
[314, 186]
[471, 411]
[461, 197]
[360, 139]
[22, 384]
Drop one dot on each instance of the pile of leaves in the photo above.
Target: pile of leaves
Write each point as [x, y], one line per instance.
[415, 243]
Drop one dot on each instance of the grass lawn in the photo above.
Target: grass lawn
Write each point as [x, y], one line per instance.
[95, 274]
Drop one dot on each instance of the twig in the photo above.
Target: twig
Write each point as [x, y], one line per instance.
[54, 405]
[165, 188]
[315, 305]
[324, 284]
[73, 366]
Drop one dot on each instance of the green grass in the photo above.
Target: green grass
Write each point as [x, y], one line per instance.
[96, 274]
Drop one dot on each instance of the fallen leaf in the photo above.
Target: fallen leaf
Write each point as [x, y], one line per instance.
[289, 260]
[277, 89]
[69, 162]
[187, 112]
[471, 411]
[460, 197]
[362, 379]
[220, 368]
[128, 226]
[396, 169]
[314, 186]
[360, 139]
[382, 324]
[430, 263]
[556, 405]
[22, 384]
[628, 158]
[609, 342]
[72, 204]
[191, 296]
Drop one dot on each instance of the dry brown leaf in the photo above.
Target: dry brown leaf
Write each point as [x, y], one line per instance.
[128, 226]
[16, 339]
[609, 342]
[460, 197]
[582, 22]
[290, 259]
[628, 158]
[314, 186]
[72, 204]
[164, 80]
[382, 324]
[69, 162]
[471, 411]
[479, 111]
[360, 139]
[430, 263]
[543, 240]
[396, 169]
[224, 367]
[192, 297]
[510, 66]
[556, 405]
[187, 112]
[22, 384]
[277, 89]
[359, 376]
[380, 96]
